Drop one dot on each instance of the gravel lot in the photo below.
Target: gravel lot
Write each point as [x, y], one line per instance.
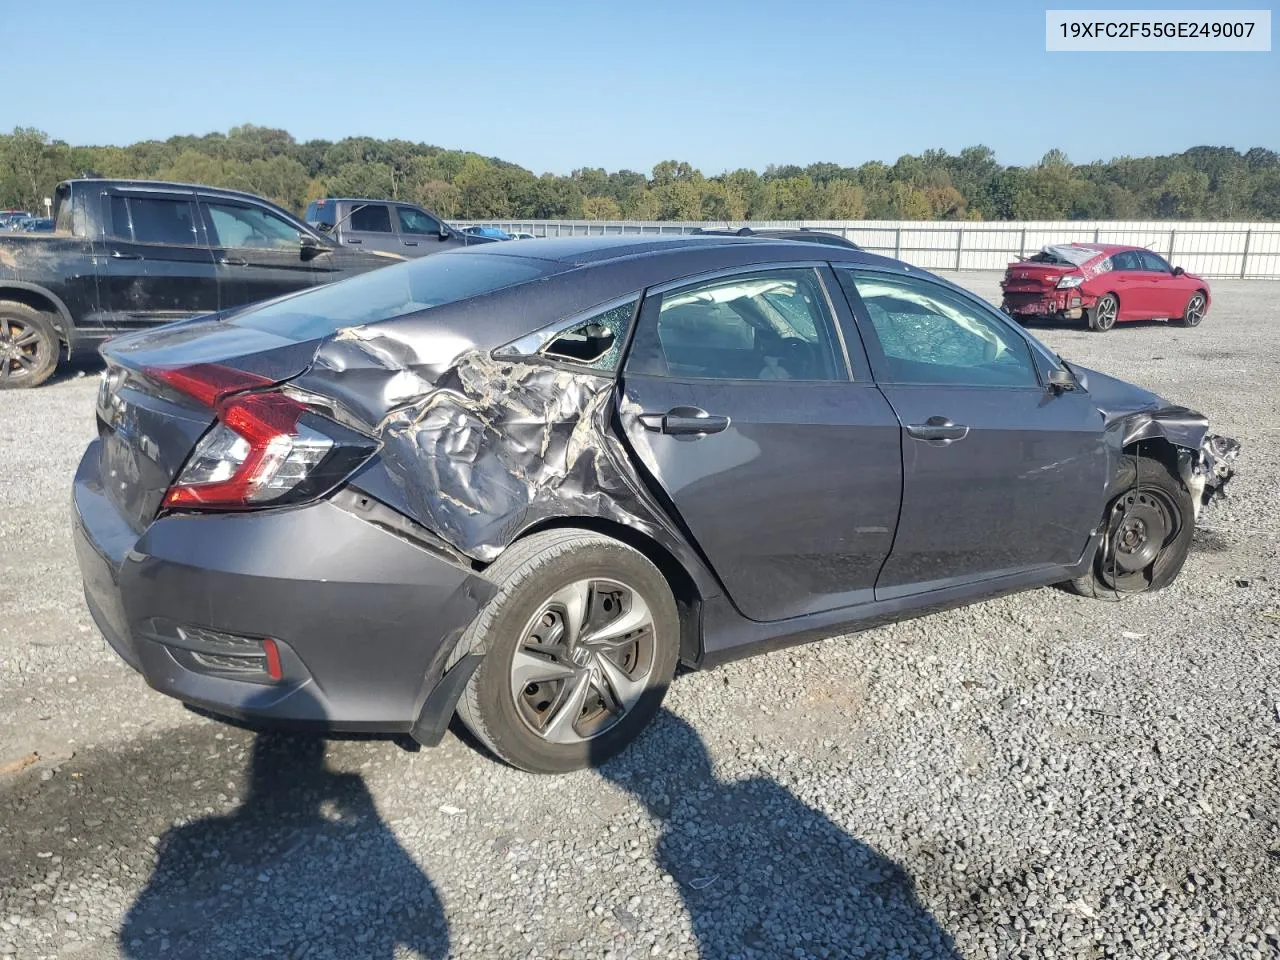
[1038, 776]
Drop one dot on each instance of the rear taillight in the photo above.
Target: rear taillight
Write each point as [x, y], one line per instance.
[1071, 280]
[266, 448]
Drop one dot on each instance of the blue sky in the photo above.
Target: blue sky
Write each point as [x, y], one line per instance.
[556, 85]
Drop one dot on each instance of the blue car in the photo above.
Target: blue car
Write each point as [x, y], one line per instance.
[491, 233]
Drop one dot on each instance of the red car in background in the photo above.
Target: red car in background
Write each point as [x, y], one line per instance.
[1104, 284]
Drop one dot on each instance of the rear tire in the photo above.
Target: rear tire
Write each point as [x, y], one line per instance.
[1148, 530]
[29, 346]
[580, 644]
[1102, 316]
[1193, 312]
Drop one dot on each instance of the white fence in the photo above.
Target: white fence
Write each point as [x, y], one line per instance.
[1244, 250]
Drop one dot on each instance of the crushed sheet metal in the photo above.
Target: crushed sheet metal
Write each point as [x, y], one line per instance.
[1206, 460]
[482, 449]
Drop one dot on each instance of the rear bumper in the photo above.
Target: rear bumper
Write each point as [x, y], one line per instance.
[1069, 303]
[363, 619]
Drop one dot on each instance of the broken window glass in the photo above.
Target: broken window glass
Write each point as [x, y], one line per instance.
[596, 342]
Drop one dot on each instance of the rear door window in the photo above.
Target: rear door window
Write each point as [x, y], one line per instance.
[371, 218]
[771, 325]
[163, 221]
[1126, 260]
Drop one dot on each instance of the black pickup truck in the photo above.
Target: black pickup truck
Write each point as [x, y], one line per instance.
[127, 254]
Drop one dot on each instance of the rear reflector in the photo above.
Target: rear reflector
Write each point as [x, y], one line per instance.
[273, 659]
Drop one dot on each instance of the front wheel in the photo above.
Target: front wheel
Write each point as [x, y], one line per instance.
[1147, 534]
[1193, 313]
[580, 644]
[1103, 315]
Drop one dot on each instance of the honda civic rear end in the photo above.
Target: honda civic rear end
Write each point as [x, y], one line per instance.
[224, 558]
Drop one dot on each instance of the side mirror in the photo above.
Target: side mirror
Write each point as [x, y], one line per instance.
[1061, 380]
[1178, 271]
[310, 247]
[444, 233]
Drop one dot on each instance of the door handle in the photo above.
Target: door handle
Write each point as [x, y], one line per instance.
[125, 255]
[939, 431]
[233, 262]
[411, 243]
[354, 240]
[683, 421]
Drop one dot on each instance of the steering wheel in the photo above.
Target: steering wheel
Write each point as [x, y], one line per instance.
[797, 357]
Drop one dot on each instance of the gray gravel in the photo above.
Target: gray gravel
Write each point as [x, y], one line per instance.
[1038, 776]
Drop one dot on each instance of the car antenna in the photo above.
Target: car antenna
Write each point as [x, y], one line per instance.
[350, 213]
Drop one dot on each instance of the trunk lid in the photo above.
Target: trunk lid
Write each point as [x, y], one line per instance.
[1029, 277]
[147, 428]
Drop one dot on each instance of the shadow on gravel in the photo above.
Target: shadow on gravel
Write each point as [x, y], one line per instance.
[761, 873]
[304, 868]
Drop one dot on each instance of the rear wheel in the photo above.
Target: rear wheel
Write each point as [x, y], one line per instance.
[29, 346]
[580, 645]
[1103, 315]
[1193, 313]
[1147, 533]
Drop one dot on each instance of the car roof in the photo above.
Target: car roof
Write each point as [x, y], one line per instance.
[398, 203]
[580, 251]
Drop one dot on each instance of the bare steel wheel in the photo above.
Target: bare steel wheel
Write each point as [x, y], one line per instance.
[1104, 313]
[1147, 533]
[580, 644]
[1195, 309]
[28, 346]
[584, 660]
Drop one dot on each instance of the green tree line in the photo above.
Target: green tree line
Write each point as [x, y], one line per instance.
[1203, 183]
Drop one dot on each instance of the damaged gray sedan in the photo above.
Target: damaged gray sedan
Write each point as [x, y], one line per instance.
[523, 483]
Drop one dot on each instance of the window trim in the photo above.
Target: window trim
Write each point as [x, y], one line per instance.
[656, 292]
[875, 351]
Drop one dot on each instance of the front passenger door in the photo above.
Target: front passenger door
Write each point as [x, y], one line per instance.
[1001, 475]
[258, 254]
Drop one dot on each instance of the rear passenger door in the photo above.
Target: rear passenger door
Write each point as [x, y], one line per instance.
[258, 253]
[369, 227]
[769, 439]
[158, 265]
[1001, 475]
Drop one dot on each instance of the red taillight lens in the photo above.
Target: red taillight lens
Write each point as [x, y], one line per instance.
[208, 382]
[259, 452]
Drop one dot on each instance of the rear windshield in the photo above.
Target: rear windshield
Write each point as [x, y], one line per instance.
[389, 292]
[1064, 256]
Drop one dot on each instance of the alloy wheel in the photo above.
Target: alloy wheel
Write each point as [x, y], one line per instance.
[583, 661]
[1104, 314]
[1195, 310]
[22, 349]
